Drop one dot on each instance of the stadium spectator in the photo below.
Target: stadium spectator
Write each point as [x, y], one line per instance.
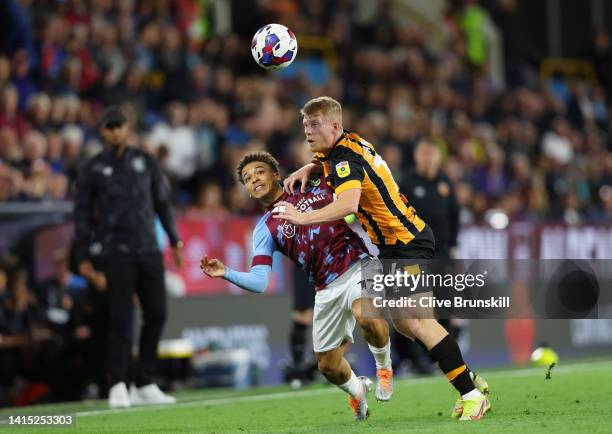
[63, 298]
[25, 343]
[180, 141]
[10, 116]
[209, 202]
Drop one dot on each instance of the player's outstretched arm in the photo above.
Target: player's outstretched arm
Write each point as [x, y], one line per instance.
[301, 175]
[255, 280]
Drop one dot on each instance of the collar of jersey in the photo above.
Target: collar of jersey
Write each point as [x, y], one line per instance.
[322, 157]
[283, 196]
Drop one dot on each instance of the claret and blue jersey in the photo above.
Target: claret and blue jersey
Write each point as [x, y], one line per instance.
[323, 251]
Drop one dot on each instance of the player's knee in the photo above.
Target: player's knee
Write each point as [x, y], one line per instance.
[328, 366]
[368, 325]
[404, 327]
[416, 327]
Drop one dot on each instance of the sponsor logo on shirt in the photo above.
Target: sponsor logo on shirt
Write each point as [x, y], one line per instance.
[305, 203]
[343, 169]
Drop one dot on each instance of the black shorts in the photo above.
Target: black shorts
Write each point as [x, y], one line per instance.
[303, 291]
[413, 257]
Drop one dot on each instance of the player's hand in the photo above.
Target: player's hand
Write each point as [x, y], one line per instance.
[301, 175]
[212, 267]
[177, 254]
[286, 211]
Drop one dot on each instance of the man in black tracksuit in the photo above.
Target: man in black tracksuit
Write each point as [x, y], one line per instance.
[431, 192]
[119, 194]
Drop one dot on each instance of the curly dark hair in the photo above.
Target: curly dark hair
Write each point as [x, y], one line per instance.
[262, 156]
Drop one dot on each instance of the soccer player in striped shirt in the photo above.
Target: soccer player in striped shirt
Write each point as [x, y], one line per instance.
[364, 185]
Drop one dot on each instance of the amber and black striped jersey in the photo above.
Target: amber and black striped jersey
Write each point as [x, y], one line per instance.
[383, 212]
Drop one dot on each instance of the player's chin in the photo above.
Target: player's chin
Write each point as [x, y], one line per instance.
[260, 193]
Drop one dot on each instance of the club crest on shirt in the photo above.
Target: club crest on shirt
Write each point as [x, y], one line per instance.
[315, 182]
[288, 230]
[138, 164]
[343, 169]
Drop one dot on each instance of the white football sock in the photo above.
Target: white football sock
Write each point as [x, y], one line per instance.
[471, 395]
[353, 386]
[382, 355]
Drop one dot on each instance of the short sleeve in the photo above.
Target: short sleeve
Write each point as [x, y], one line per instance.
[263, 244]
[345, 174]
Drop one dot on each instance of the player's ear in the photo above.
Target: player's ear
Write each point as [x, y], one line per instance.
[277, 176]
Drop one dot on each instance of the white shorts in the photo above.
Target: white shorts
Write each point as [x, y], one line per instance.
[333, 320]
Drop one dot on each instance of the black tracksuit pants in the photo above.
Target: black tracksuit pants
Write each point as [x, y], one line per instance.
[128, 274]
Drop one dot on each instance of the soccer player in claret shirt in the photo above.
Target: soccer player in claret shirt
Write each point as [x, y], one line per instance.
[336, 261]
[364, 185]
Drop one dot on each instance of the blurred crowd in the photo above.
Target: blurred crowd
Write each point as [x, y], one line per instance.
[52, 335]
[535, 150]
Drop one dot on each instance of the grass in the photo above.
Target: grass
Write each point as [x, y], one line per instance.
[575, 399]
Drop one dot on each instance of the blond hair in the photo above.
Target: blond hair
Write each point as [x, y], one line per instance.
[325, 105]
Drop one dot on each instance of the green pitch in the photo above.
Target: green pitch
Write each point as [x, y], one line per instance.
[577, 398]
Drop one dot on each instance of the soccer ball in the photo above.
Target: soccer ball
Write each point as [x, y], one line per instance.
[274, 47]
[544, 356]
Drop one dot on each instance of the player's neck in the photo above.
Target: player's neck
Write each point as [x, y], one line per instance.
[337, 138]
[272, 197]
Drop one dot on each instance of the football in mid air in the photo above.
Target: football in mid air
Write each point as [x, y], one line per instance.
[274, 46]
[544, 356]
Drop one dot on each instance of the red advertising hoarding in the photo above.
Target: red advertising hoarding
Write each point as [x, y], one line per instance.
[229, 240]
